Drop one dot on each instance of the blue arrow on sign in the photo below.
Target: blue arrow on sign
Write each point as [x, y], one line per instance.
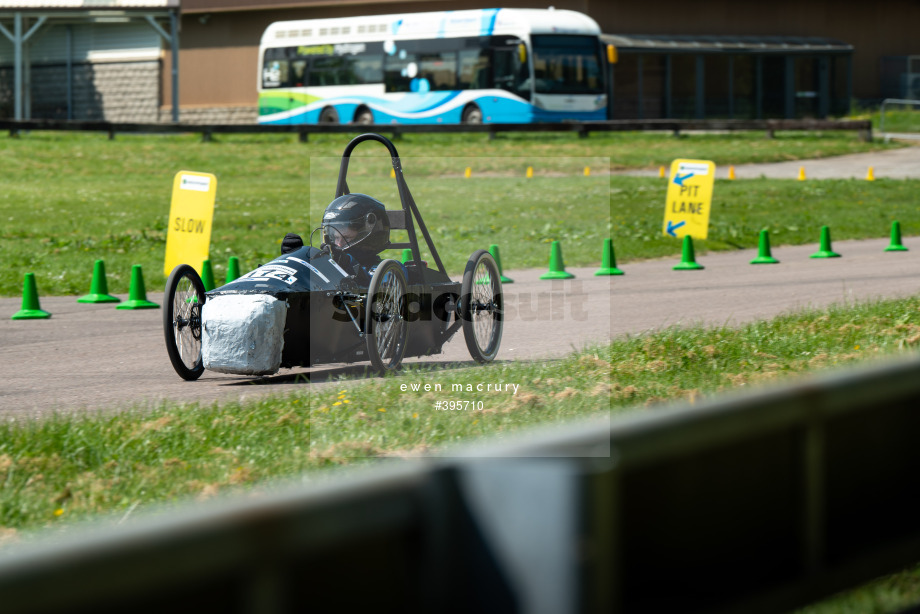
[680, 179]
[672, 227]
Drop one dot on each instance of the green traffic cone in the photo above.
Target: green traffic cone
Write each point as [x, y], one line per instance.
[137, 294]
[493, 249]
[825, 251]
[688, 259]
[407, 256]
[31, 310]
[763, 252]
[207, 276]
[233, 269]
[896, 245]
[99, 289]
[608, 260]
[556, 266]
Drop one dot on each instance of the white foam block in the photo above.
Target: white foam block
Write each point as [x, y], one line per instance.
[243, 333]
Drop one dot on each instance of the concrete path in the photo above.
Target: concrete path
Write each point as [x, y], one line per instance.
[903, 163]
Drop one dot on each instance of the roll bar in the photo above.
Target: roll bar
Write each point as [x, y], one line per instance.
[405, 197]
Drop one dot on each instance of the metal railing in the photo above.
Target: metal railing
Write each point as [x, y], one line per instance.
[888, 102]
[764, 501]
[583, 129]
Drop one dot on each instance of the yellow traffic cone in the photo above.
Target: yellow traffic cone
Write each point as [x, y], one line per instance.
[661, 172]
[468, 172]
[870, 175]
[801, 173]
[731, 172]
[530, 172]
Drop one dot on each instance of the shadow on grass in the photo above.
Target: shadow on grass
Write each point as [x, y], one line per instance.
[353, 372]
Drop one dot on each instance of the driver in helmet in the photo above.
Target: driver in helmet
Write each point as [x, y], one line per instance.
[356, 229]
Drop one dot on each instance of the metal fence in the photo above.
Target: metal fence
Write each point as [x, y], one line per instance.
[757, 502]
[907, 126]
[583, 129]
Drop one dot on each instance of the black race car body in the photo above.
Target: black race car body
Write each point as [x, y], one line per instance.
[304, 308]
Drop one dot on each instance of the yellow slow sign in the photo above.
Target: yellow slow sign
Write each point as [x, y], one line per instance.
[188, 238]
[689, 198]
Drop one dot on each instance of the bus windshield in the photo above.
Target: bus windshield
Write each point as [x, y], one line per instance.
[565, 64]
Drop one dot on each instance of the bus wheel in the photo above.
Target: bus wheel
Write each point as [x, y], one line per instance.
[472, 114]
[364, 116]
[329, 116]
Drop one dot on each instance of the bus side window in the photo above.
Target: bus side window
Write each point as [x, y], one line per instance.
[298, 78]
[395, 71]
[474, 69]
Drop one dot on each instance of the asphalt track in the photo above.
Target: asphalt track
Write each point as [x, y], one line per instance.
[96, 357]
[89, 357]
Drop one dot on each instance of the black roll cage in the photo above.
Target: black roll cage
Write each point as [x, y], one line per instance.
[402, 219]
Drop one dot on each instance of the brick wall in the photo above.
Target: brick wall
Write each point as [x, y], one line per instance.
[116, 92]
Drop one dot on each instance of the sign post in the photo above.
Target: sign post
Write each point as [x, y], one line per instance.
[188, 237]
[689, 198]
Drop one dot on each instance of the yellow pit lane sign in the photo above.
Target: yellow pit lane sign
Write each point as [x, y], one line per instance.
[689, 198]
[188, 238]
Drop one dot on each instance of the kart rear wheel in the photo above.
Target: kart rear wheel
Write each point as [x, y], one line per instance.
[385, 325]
[482, 306]
[182, 321]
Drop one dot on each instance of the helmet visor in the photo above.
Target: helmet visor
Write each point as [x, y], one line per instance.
[346, 234]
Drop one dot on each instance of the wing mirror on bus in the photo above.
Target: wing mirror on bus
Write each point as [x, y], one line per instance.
[522, 53]
[612, 55]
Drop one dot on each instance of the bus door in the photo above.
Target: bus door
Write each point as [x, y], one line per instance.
[511, 66]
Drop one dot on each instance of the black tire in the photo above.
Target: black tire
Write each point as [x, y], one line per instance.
[364, 116]
[182, 321]
[482, 306]
[385, 324]
[472, 114]
[329, 116]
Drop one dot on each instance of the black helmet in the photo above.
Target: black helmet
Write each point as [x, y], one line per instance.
[356, 223]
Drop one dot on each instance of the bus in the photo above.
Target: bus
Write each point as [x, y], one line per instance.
[469, 66]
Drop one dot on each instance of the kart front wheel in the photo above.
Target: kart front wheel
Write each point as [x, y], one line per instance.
[481, 306]
[182, 321]
[385, 326]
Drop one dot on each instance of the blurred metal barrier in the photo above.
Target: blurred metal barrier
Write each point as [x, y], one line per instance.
[908, 130]
[582, 128]
[757, 502]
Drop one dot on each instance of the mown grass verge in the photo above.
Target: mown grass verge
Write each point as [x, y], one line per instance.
[63, 468]
[70, 199]
[57, 471]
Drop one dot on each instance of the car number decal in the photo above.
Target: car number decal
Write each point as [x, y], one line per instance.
[273, 271]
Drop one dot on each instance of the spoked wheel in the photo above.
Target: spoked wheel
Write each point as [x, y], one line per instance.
[182, 321]
[481, 306]
[385, 325]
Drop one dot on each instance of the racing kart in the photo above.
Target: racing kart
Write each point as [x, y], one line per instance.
[303, 309]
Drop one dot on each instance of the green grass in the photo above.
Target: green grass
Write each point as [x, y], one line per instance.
[68, 467]
[72, 198]
[898, 592]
